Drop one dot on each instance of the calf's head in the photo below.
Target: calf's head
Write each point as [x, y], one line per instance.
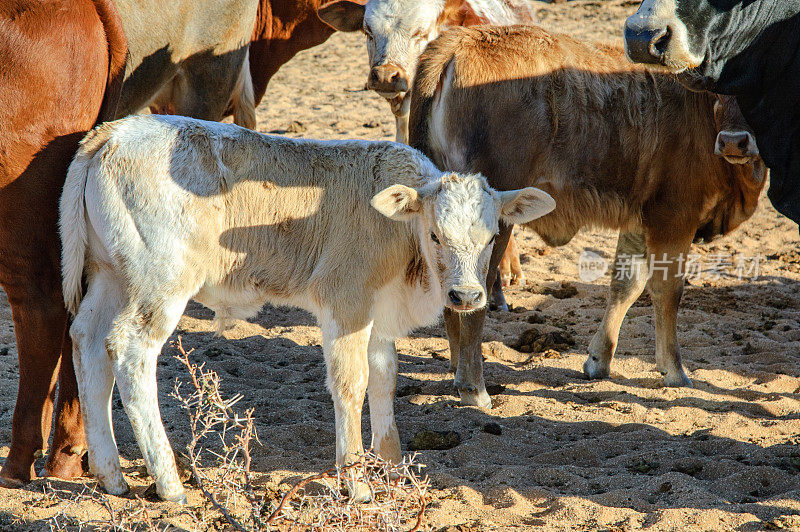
[456, 219]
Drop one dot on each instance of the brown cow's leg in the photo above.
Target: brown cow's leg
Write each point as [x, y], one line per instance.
[510, 268]
[628, 279]
[39, 324]
[469, 373]
[666, 288]
[69, 440]
[452, 323]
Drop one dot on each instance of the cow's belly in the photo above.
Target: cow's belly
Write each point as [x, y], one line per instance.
[229, 303]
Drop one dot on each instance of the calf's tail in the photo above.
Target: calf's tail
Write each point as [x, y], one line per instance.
[72, 215]
[243, 98]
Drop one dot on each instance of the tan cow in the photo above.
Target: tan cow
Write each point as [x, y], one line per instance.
[616, 145]
[368, 236]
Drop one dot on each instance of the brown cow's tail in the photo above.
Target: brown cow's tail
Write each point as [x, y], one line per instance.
[117, 58]
[72, 215]
[427, 82]
[243, 98]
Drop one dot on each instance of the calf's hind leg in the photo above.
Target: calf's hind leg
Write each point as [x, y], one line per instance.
[134, 344]
[95, 377]
[381, 388]
[628, 279]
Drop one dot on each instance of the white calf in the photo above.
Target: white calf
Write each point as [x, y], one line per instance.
[158, 210]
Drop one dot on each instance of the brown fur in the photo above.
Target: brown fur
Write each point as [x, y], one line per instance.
[618, 146]
[61, 71]
[542, 99]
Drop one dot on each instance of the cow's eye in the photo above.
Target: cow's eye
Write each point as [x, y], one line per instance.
[492, 240]
[368, 32]
[434, 237]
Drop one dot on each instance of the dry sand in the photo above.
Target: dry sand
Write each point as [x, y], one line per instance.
[618, 454]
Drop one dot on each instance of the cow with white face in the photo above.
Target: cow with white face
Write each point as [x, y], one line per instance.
[397, 32]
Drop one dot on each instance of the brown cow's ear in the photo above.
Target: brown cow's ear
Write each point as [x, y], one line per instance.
[343, 15]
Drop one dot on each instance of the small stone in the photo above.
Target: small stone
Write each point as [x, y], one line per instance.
[493, 428]
[566, 291]
[409, 389]
[536, 318]
[432, 440]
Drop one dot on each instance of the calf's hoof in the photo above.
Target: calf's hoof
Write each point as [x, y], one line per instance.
[517, 279]
[677, 379]
[474, 397]
[359, 491]
[117, 487]
[11, 483]
[505, 280]
[594, 368]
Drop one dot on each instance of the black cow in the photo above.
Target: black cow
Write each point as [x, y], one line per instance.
[746, 48]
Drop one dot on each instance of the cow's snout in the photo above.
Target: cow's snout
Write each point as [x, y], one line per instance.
[660, 40]
[647, 44]
[737, 147]
[466, 298]
[388, 80]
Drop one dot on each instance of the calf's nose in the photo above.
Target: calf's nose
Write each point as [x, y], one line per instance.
[736, 144]
[388, 78]
[646, 43]
[465, 297]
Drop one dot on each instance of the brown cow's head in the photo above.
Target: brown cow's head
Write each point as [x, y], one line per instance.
[737, 145]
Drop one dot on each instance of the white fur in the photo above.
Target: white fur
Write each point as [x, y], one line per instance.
[157, 210]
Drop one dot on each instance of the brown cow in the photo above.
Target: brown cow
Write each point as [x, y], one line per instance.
[60, 73]
[616, 145]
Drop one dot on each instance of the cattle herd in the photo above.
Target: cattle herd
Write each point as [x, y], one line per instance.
[498, 123]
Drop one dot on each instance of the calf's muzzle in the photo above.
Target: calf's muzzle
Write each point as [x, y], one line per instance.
[736, 146]
[466, 298]
[388, 80]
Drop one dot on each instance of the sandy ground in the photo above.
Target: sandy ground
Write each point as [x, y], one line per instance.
[572, 455]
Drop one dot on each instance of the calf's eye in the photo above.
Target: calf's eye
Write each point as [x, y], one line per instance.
[434, 237]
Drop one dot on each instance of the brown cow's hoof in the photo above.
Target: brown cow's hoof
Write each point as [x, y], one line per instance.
[11, 483]
[13, 476]
[677, 380]
[66, 464]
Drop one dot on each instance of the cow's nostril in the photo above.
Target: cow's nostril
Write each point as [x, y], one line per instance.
[744, 143]
[660, 43]
[454, 297]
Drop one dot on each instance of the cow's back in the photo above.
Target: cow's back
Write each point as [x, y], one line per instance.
[246, 211]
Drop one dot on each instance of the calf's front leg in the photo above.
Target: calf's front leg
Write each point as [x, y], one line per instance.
[345, 349]
[628, 279]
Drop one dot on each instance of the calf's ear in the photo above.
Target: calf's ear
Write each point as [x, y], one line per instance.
[522, 206]
[343, 15]
[398, 202]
